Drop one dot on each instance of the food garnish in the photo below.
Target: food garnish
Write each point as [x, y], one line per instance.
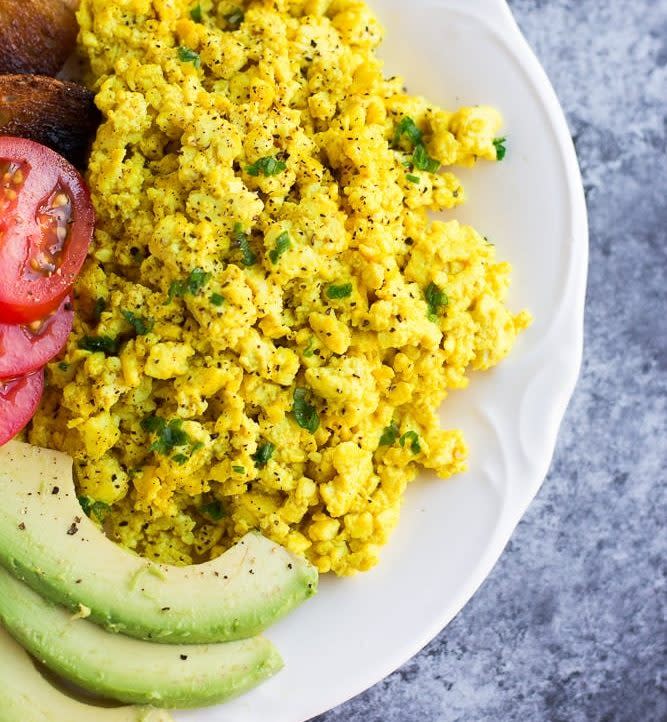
[242, 240]
[264, 453]
[499, 145]
[413, 438]
[436, 299]
[339, 290]
[186, 55]
[268, 165]
[282, 244]
[192, 285]
[305, 413]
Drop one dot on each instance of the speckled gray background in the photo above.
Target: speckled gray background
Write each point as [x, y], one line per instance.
[570, 626]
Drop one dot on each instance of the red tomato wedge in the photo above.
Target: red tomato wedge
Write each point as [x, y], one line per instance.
[19, 399]
[24, 349]
[46, 224]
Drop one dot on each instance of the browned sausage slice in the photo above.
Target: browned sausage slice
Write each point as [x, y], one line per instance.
[53, 112]
[36, 36]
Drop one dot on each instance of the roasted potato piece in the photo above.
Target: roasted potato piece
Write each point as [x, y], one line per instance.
[53, 112]
[36, 36]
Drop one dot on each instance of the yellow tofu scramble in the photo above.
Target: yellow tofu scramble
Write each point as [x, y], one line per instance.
[268, 319]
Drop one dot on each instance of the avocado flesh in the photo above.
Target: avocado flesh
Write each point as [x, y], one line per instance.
[26, 696]
[47, 541]
[126, 669]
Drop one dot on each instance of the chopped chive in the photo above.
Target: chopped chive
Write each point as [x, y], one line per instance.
[195, 281]
[309, 350]
[408, 128]
[168, 434]
[214, 510]
[423, 161]
[436, 299]
[196, 14]
[499, 145]
[415, 448]
[267, 166]
[305, 414]
[263, 454]
[185, 55]
[99, 308]
[389, 435]
[241, 240]
[141, 325]
[99, 344]
[283, 244]
[342, 290]
[93, 508]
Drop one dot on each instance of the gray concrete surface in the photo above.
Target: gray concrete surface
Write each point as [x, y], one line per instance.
[570, 626]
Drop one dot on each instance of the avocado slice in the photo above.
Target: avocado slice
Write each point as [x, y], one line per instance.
[47, 541]
[25, 695]
[126, 669]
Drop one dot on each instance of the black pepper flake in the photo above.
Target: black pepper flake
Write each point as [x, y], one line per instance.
[184, 657]
[55, 490]
[73, 529]
[21, 526]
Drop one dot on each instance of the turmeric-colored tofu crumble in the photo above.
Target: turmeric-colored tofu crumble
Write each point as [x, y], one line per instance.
[268, 319]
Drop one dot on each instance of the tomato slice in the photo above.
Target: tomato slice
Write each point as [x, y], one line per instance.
[19, 399]
[46, 224]
[24, 349]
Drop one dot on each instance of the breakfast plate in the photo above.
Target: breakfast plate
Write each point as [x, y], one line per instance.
[356, 631]
[275, 188]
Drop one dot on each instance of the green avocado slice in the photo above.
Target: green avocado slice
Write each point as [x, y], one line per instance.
[131, 670]
[47, 541]
[25, 695]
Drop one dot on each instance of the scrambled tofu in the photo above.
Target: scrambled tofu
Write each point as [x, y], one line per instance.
[268, 319]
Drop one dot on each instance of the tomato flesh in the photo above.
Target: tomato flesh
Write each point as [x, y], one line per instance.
[24, 349]
[46, 225]
[19, 399]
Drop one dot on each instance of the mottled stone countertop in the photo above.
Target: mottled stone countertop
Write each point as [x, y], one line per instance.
[570, 626]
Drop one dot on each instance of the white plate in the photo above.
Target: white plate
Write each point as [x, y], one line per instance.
[356, 631]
